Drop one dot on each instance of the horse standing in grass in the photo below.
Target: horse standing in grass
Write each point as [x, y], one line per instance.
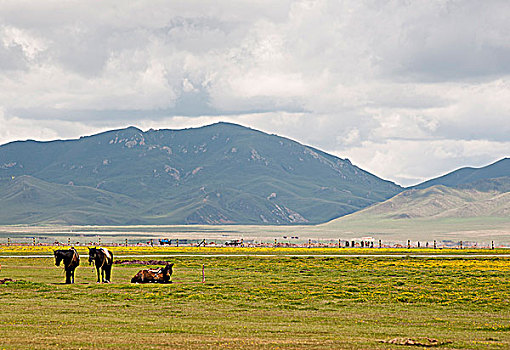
[103, 259]
[71, 261]
[161, 275]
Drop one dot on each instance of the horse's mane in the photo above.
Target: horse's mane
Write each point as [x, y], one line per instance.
[167, 268]
[102, 255]
[107, 253]
[68, 256]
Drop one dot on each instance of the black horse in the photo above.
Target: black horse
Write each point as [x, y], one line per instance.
[71, 261]
[103, 259]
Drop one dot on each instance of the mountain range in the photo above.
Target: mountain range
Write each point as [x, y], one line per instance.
[467, 175]
[221, 174]
[218, 174]
[469, 203]
[463, 193]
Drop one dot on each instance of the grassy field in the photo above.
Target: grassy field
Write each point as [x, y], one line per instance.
[47, 250]
[273, 302]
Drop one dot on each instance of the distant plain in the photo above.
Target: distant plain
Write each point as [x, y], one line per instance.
[480, 230]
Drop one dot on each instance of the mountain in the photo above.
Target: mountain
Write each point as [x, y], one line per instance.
[218, 174]
[498, 184]
[442, 202]
[436, 212]
[28, 199]
[462, 176]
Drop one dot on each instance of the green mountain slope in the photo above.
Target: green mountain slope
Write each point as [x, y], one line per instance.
[30, 200]
[222, 173]
[499, 184]
[461, 176]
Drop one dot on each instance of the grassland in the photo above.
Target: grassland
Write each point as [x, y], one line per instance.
[132, 251]
[257, 301]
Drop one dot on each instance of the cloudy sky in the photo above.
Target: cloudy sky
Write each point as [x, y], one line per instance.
[405, 89]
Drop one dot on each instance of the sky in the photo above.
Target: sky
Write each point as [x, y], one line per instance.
[407, 90]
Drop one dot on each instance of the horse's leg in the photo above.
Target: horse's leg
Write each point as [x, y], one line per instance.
[72, 276]
[68, 277]
[102, 275]
[108, 273]
[105, 269]
[98, 275]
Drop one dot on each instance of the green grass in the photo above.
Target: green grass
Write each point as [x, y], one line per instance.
[261, 302]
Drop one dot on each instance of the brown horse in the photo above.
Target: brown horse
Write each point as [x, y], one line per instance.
[161, 275]
[103, 259]
[71, 261]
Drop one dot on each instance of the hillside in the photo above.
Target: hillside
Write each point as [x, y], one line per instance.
[467, 175]
[436, 212]
[441, 202]
[218, 174]
[27, 199]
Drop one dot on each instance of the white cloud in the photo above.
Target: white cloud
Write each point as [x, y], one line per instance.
[413, 161]
[14, 128]
[387, 84]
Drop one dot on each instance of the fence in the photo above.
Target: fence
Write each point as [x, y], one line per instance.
[326, 243]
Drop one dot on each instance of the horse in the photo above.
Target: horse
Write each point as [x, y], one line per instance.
[103, 259]
[71, 261]
[161, 275]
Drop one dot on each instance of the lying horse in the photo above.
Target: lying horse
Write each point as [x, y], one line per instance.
[161, 275]
[103, 259]
[71, 261]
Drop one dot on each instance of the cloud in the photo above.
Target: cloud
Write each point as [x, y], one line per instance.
[14, 128]
[435, 157]
[378, 82]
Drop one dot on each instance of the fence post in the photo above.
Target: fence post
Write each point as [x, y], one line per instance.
[408, 244]
[460, 243]
[126, 242]
[380, 244]
[33, 240]
[68, 240]
[435, 245]
[339, 244]
[492, 245]
[177, 241]
[99, 239]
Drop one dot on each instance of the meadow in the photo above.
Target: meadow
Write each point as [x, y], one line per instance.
[255, 301]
